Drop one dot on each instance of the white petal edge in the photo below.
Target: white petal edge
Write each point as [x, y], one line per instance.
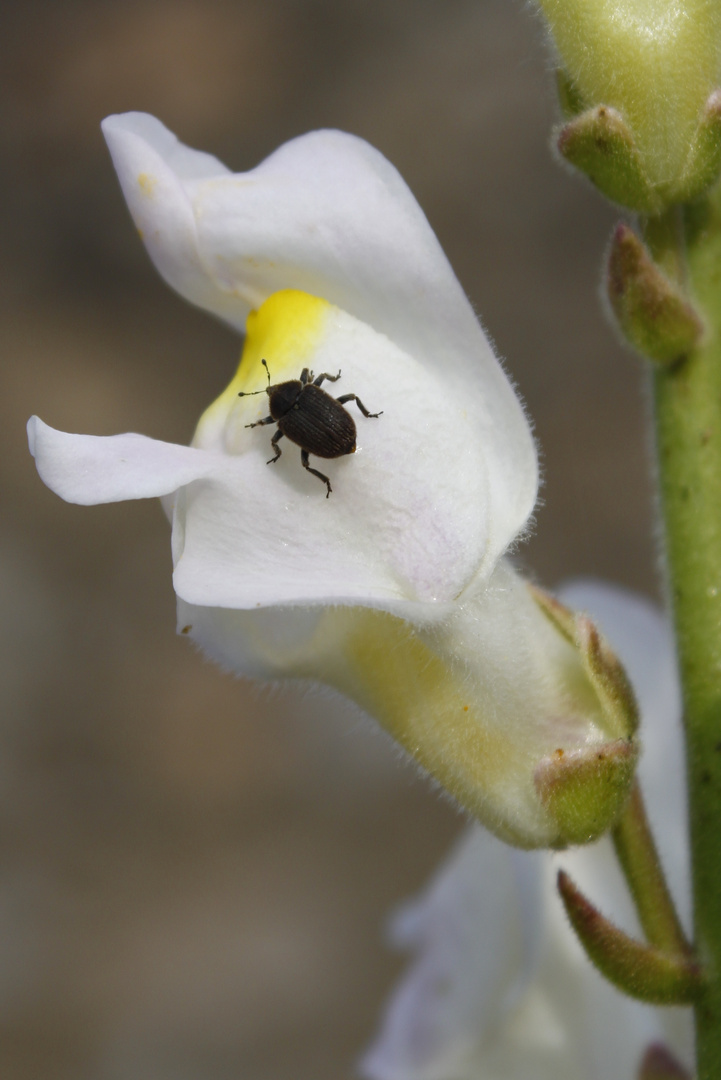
[153, 167]
[91, 469]
[466, 978]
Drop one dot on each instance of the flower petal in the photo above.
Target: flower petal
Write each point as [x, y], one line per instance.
[154, 168]
[328, 215]
[401, 531]
[478, 698]
[90, 469]
[473, 931]
[232, 547]
[556, 1023]
[400, 525]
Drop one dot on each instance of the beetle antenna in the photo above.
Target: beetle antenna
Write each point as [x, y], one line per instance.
[250, 393]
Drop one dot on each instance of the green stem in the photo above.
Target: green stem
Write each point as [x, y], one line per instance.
[688, 439]
[639, 860]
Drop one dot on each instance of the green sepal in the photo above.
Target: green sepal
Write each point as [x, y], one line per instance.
[600, 144]
[562, 617]
[640, 971]
[603, 668]
[569, 96]
[651, 312]
[608, 678]
[585, 791]
[703, 164]
[658, 1063]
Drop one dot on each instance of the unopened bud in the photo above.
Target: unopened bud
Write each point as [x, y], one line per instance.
[659, 1063]
[651, 311]
[656, 66]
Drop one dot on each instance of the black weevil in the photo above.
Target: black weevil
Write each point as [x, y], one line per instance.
[311, 418]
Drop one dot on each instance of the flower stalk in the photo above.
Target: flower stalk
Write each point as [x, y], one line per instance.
[663, 971]
[658, 154]
[637, 854]
[687, 401]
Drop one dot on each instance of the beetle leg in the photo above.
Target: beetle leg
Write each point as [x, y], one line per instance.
[325, 375]
[353, 397]
[326, 481]
[274, 444]
[260, 423]
[306, 376]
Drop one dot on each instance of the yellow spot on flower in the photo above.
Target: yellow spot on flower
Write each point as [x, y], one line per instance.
[285, 331]
[147, 183]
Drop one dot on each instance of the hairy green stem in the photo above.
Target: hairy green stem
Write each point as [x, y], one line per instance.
[687, 399]
[637, 854]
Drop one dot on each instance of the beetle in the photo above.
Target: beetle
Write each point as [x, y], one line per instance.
[311, 418]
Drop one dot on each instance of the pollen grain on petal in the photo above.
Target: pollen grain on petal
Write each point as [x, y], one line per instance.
[147, 184]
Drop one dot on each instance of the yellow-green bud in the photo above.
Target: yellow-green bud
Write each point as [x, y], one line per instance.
[656, 63]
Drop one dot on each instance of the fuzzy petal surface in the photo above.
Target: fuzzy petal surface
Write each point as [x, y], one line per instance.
[475, 1004]
[477, 698]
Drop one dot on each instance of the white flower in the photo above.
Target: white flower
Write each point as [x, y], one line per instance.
[440, 486]
[393, 589]
[500, 988]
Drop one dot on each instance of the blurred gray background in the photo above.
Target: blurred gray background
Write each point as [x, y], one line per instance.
[194, 875]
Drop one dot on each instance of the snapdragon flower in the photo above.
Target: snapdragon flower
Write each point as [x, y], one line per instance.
[499, 985]
[395, 589]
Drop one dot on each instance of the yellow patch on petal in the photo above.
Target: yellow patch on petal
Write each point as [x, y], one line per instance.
[285, 331]
[380, 662]
[147, 184]
[525, 793]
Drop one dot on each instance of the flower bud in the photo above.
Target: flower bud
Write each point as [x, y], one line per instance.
[651, 312]
[657, 66]
[660, 1064]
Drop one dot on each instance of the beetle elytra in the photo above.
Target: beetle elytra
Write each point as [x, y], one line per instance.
[311, 418]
